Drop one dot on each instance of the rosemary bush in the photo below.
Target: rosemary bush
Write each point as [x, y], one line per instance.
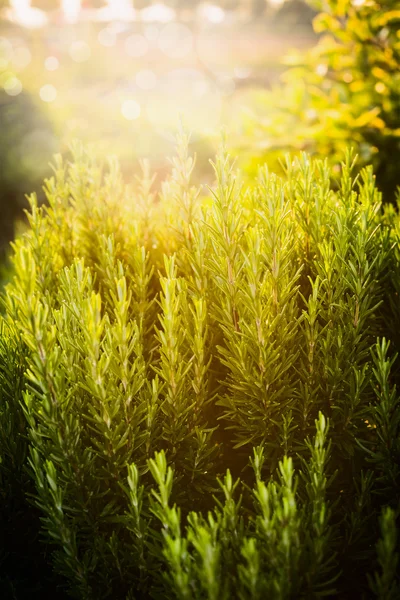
[198, 392]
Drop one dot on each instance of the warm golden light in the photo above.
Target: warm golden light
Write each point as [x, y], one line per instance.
[157, 13]
[80, 51]
[146, 79]
[102, 69]
[52, 63]
[201, 303]
[131, 110]
[48, 93]
[12, 86]
[120, 10]
[176, 40]
[136, 45]
[22, 13]
[21, 57]
[212, 13]
[71, 10]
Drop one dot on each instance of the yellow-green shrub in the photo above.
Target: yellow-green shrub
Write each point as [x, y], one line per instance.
[345, 90]
[153, 343]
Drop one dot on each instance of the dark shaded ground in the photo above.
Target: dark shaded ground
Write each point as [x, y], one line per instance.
[25, 573]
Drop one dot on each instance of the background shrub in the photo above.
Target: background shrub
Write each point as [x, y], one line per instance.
[343, 91]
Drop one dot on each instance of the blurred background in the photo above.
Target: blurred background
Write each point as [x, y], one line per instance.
[120, 73]
[278, 75]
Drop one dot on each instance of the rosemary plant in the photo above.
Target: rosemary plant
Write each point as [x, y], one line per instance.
[198, 393]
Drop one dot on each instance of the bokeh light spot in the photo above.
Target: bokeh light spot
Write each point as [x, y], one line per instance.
[71, 10]
[380, 87]
[12, 86]
[131, 110]
[311, 114]
[51, 63]
[158, 13]
[79, 51]
[48, 93]
[117, 11]
[22, 13]
[321, 70]
[214, 14]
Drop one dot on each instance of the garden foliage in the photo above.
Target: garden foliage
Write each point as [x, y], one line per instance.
[198, 392]
[345, 90]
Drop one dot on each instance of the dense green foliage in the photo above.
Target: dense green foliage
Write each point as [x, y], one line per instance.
[198, 394]
[345, 90]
